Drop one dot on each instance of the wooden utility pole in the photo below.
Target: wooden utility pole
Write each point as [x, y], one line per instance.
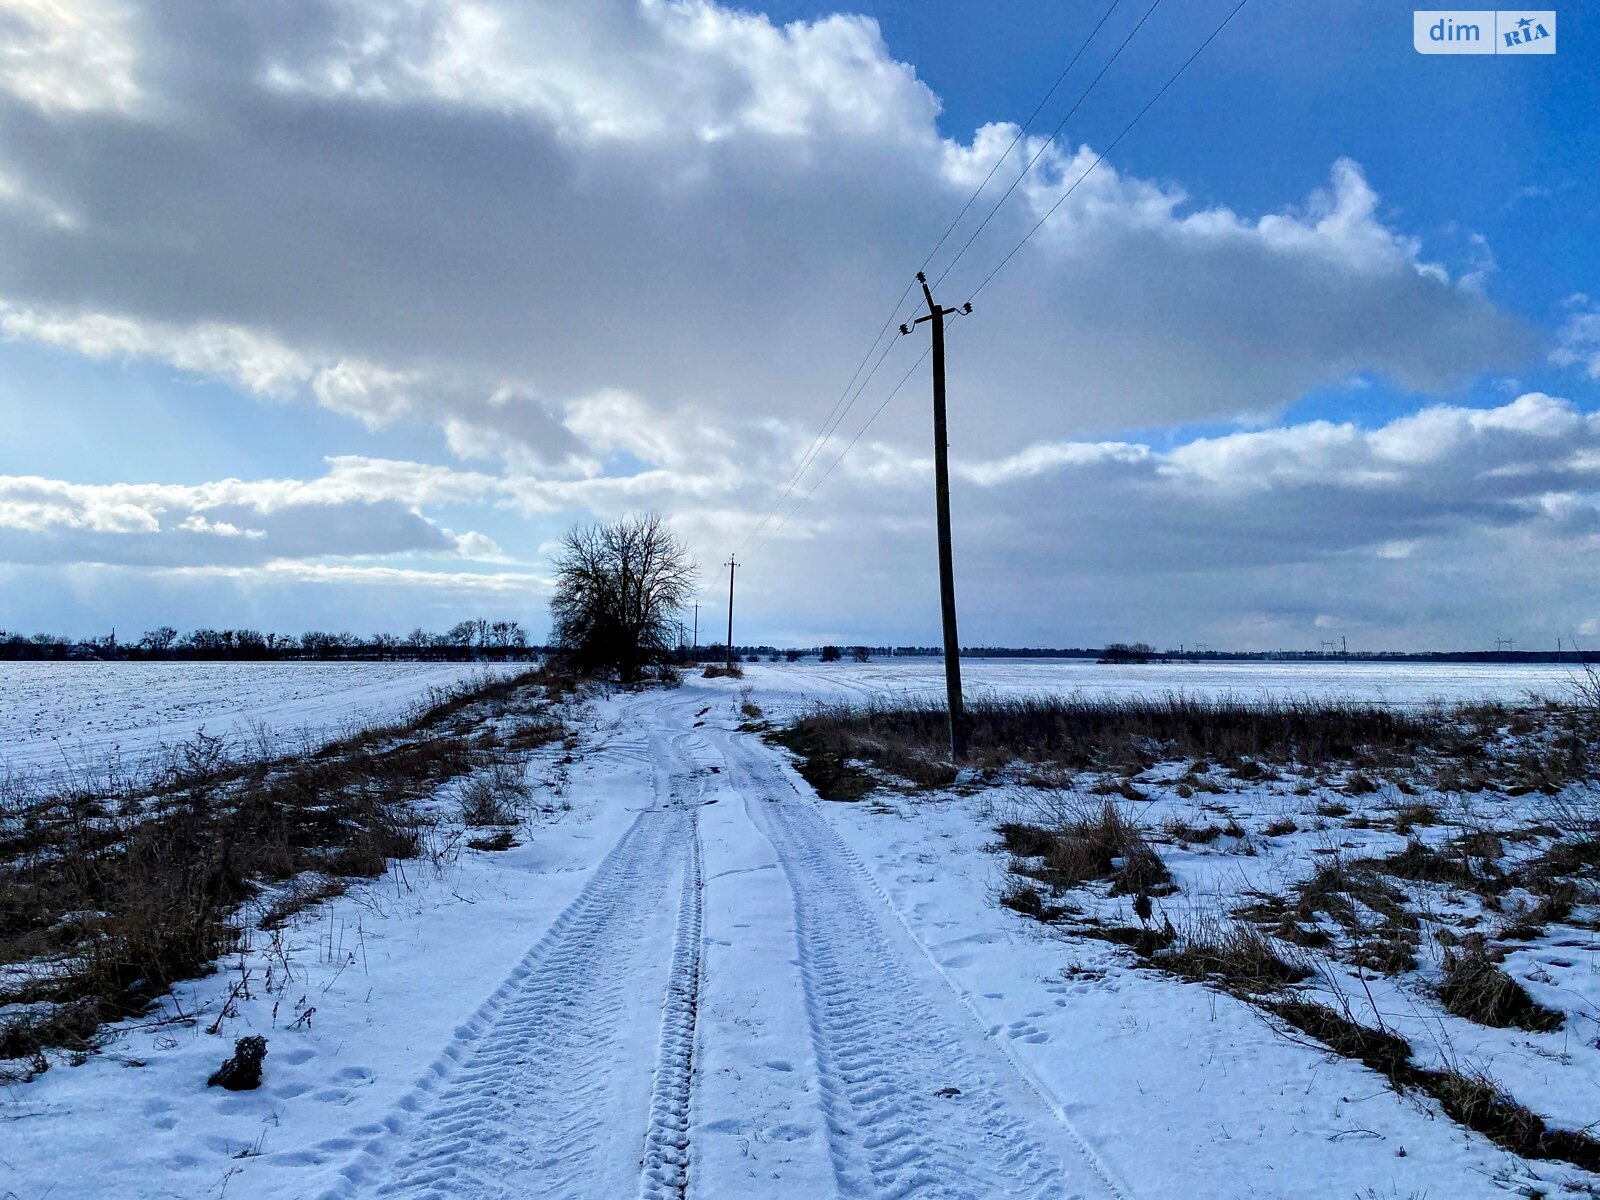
[696, 651]
[941, 485]
[731, 564]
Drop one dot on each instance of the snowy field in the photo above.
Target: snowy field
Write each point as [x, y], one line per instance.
[788, 685]
[55, 715]
[690, 978]
[67, 716]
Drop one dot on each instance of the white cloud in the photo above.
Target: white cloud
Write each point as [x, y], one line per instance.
[1252, 535]
[245, 358]
[618, 200]
[31, 206]
[195, 523]
[479, 547]
[1040, 458]
[68, 55]
[1578, 342]
[361, 507]
[372, 394]
[607, 71]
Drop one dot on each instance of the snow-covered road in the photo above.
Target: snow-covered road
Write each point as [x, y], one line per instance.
[733, 999]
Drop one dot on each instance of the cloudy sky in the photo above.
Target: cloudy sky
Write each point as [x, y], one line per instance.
[337, 312]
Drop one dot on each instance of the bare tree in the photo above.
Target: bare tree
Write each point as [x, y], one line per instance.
[617, 589]
[159, 641]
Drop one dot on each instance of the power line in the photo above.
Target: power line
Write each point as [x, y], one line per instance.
[1021, 131]
[1011, 254]
[799, 504]
[1101, 156]
[821, 440]
[1048, 142]
[829, 424]
[822, 435]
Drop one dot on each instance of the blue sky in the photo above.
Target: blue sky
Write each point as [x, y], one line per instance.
[522, 266]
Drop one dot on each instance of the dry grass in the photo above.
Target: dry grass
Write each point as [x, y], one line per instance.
[1469, 1098]
[1421, 863]
[303, 893]
[495, 795]
[1350, 892]
[822, 762]
[1368, 913]
[1187, 833]
[1086, 732]
[109, 900]
[1075, 843]
[1367, 747]
[1409, 816]
[1231, 955]
[1474, 987]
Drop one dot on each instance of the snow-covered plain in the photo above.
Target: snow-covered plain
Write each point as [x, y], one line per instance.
[67, 716]
[1389, 683]
[694, 979]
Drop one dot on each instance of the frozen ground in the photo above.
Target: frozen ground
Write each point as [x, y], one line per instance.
[58, 716]
[694, 979]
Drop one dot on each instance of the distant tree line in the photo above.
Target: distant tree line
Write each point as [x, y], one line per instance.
[465, 641]
[487, 640]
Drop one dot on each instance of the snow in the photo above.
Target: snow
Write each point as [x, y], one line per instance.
[787, 685]
[696, 979]
[64, 716]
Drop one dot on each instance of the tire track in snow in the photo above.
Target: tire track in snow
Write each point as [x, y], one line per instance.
[885, 1047]
[516, 1105]
[664, 1173]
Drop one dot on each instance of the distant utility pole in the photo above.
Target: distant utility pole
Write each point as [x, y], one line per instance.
[731, 564]
[696, 650]
[941, 485]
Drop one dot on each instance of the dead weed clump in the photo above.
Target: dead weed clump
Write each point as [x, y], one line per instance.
[1232, 955]
[1371, 927]
[502, 839]
[1381, 1050]
[1077, 844]
[1476, 988]
[495, 796]
[303, 893]
[828, 751]
[1201, 835]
